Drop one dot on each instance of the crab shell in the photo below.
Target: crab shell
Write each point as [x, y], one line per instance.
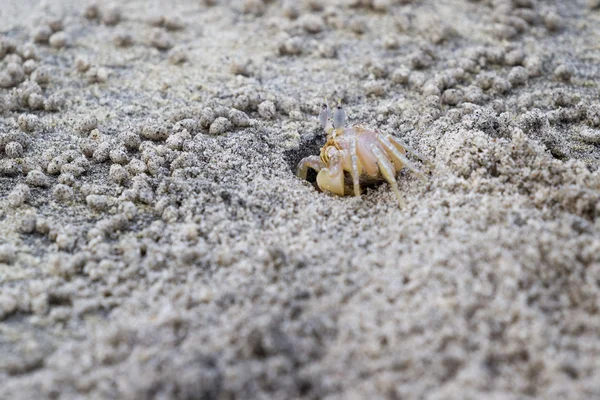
[356, 155]
[368, 169]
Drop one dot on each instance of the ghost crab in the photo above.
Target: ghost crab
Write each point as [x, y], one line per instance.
[357, 155]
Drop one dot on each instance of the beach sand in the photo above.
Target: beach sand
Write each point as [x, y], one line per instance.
[155, 241]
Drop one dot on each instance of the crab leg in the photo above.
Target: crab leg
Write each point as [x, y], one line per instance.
[388, 172]
[406, 147]
[313, 162]
[354, 165]
[398, 156]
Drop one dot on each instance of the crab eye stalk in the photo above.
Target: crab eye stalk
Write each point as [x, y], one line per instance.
[339, 117]
[324, 115]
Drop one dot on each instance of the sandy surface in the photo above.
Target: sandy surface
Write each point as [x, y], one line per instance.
[156, 243]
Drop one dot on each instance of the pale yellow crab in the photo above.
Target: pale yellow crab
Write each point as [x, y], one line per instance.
[357, 155]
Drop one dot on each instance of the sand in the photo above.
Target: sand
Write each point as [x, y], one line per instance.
[155, 241]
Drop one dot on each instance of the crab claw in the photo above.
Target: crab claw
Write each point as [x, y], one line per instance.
[332, 178]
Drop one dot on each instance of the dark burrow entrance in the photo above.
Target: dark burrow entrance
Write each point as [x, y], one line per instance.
[310, 145]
